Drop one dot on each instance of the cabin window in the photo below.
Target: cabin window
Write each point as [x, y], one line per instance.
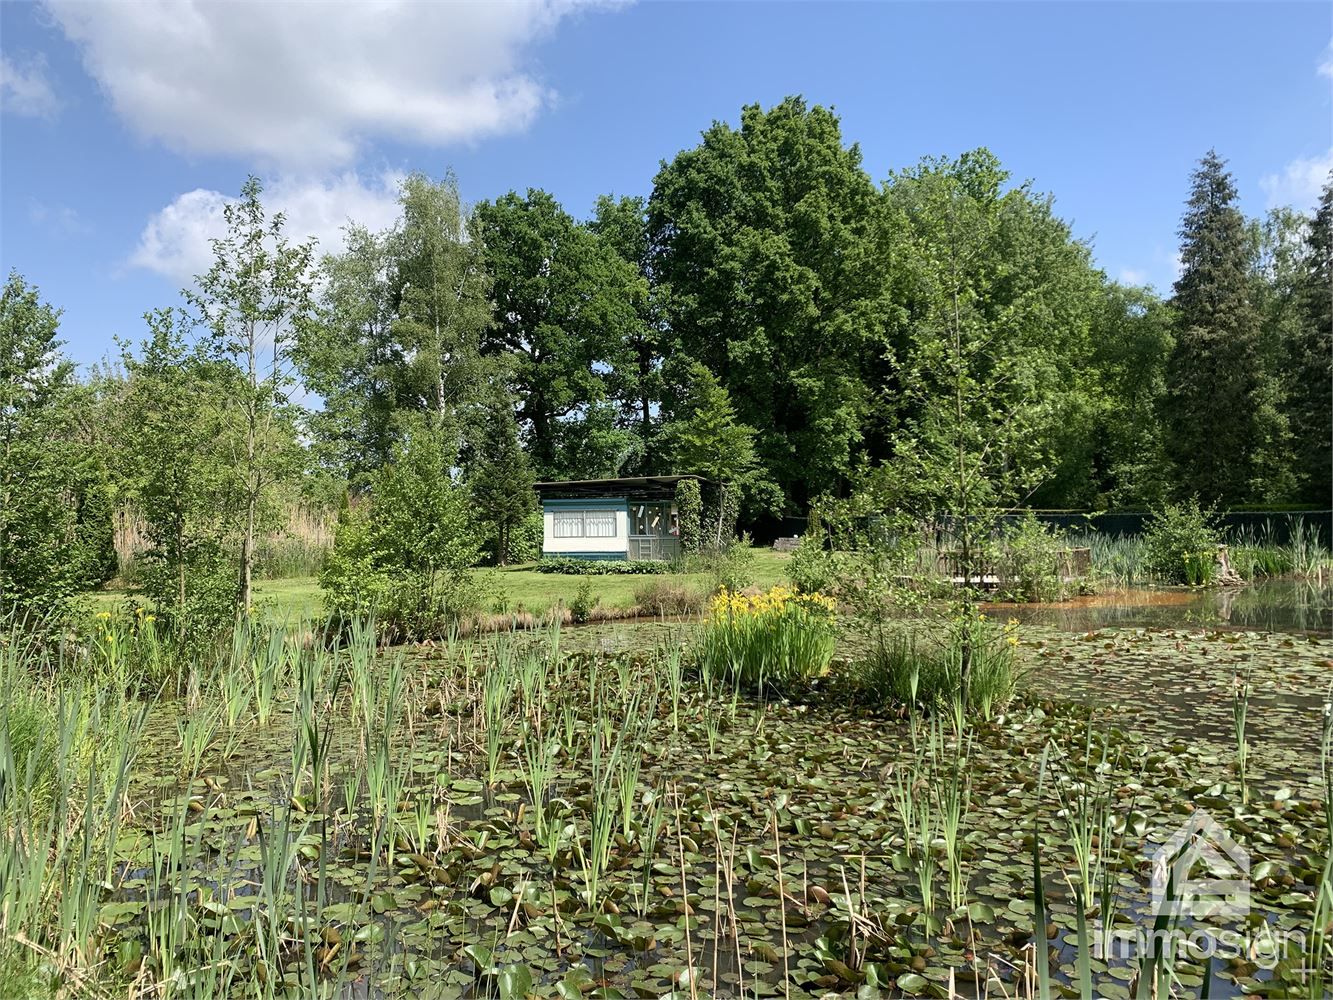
[584, 524]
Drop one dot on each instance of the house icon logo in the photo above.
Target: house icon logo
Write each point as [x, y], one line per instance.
[1200, 872]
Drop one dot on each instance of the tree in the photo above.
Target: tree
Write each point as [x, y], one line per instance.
[403, 552]
[1131, 344]
[501, 480]
[351, 358]
[1217, 405]
[442, 307]
[253, 300]
[54, 510]
[1311, 360]
[765, 247]
[994, 312]
[705, 438]
[565, 304]
[182, 481]
[622, 224]
[988, 269]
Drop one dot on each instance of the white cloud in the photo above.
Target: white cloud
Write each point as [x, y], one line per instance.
[1133, 276]
[305, 85]
[24, 89]
[175, 242]
[1326, 62]
[1299, 183]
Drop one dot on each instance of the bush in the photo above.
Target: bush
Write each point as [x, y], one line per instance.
[404, 555]
[773, 641]
[905, 669]
[662, 597]
[810, 568]
[731, 567]
[581, 608]
[601, 567]
[1181, 544]
[1030, 561]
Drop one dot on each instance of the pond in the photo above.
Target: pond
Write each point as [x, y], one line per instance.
[1272, 606]
[575, 814]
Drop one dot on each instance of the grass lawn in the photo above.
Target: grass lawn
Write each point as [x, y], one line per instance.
[522, 587]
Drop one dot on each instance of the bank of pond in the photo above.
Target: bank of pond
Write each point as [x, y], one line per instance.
[591, 813]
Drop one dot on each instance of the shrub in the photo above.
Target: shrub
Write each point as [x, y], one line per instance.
[689, 508]
[731, 567]
[776, 640]
[810, 568]
[1030, 561]
[403, 555]
[601, 567]
[906, 669]
[1181, 542]
[581, 608]
[663, 597]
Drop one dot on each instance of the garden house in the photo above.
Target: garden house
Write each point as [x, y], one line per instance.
[635, 518]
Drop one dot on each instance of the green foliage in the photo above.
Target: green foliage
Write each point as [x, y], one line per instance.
[1030, 560]
[1132, 342]
[565, 303]
[403, 554]
[252, 301]
[1309, 358]
[1221, 421]
[581, 607]
[777, 641]
[55, 504]
[811, 568]
[1181, 542]
[689, 511]
[182, 479]
[925, 670]
[397, 332]
[501, 484]
[766, 244]
[729, 568]
[600, 567]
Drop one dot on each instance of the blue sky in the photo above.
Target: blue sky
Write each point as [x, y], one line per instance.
[123, 126]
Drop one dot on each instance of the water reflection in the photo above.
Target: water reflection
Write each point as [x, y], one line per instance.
[1277, 606]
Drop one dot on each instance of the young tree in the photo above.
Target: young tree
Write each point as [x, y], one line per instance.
[402, 553]
[181, 477]
[981, 361]
[705, 438]
[1217, 407]
[501, 479]
[252, 301]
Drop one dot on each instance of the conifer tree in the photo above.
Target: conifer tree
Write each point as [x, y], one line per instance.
[501, 480]
[1214, 386]
[1311, 398]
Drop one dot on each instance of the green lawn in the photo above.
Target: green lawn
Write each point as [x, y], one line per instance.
[521, 587]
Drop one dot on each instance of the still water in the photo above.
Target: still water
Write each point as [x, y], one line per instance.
[1277, 606]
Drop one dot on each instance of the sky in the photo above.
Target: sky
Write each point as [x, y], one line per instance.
[125, 126]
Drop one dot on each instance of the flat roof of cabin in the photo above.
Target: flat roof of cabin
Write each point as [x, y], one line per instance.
[636, 487]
